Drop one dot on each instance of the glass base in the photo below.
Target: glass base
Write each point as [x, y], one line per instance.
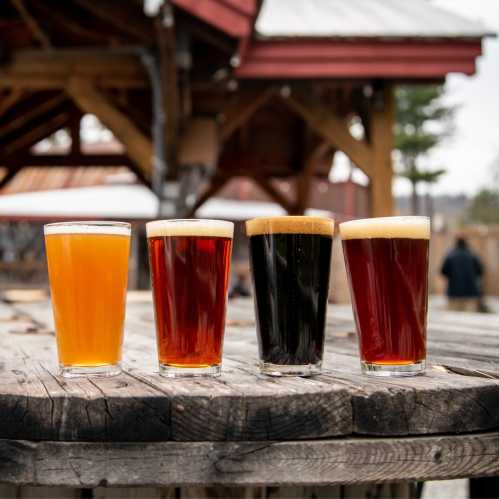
[286, 370]
[169, 371]
[83, 371]
[393, 370]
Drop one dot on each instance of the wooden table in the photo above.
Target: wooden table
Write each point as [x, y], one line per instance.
[188, 438]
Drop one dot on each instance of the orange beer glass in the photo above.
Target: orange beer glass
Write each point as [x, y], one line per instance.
[88, 273]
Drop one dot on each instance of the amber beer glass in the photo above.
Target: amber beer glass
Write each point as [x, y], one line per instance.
[189, 262]
[387, 263]
[290, 261]
[88, 272]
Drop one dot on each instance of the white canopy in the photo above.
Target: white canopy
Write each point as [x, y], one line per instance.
[122, 202]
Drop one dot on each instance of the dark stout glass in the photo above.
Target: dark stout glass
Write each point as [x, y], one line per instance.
[190, 262]
[290, 261]
[387, 263]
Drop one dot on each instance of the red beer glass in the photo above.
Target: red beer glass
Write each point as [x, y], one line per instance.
[190, 261]
[387, 264]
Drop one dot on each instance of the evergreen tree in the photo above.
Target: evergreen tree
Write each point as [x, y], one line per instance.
[422, 121]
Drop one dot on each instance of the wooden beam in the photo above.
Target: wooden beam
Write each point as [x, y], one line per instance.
[39, 70]
[27, 116]
[90, 100]
[120, 17]
[65, 18]
[273, 193]
[382, 144]
[32, 23]
[11, 173]
[215, 184]
[304, 180]
[70, 160]
[241, 107]
[10, 100]
[333, 128]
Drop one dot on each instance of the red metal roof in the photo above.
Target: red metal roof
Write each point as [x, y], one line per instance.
[234, 17]
[359, 59]
[409, 40]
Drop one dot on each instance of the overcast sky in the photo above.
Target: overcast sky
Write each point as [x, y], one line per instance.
[469, 154]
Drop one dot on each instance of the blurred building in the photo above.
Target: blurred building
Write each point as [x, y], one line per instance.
[214, 98]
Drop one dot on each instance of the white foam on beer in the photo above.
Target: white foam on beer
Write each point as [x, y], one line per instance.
[386, 228]
[290, 225]
[190, 227]
[87, 228]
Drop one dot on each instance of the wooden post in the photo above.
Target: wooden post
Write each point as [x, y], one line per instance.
[74, 130]
[169, 85]
[382, 143]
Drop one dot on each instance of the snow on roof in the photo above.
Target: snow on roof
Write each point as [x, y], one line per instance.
[363, 18]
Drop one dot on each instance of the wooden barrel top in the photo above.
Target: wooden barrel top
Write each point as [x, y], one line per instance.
[459, 393]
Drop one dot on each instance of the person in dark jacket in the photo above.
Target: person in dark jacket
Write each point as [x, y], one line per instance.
[463, 270]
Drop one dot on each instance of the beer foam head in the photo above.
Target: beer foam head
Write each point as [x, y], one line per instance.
[190, 227]
[290, 225]
[105, 228]
[387, 228]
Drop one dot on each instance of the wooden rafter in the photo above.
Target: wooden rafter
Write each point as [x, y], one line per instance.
[39, 70]
[333, 128]
[10, 100]
[91, 100]
[51, 124]
[64, 16]
[31, 114]
[11, 173]
[120, 17]
[240, 109]
[70, 160]
[32, 23]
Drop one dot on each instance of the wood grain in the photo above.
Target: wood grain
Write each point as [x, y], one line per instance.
[459, 394]
[211, 464]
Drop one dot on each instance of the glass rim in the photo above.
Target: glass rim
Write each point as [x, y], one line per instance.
[291, 224]
[291, 217]
[89, 227]
[405, 226]
[105, 223]
[190, 227]
[393, 218]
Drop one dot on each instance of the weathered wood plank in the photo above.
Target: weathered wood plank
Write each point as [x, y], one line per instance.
[241, 405]
[319, 463]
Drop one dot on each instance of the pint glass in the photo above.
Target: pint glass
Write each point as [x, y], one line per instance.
[88, 273]
[387, 263]
[189, 262]
[290, 261]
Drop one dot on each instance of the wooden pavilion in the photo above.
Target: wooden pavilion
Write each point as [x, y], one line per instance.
[202, 91]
